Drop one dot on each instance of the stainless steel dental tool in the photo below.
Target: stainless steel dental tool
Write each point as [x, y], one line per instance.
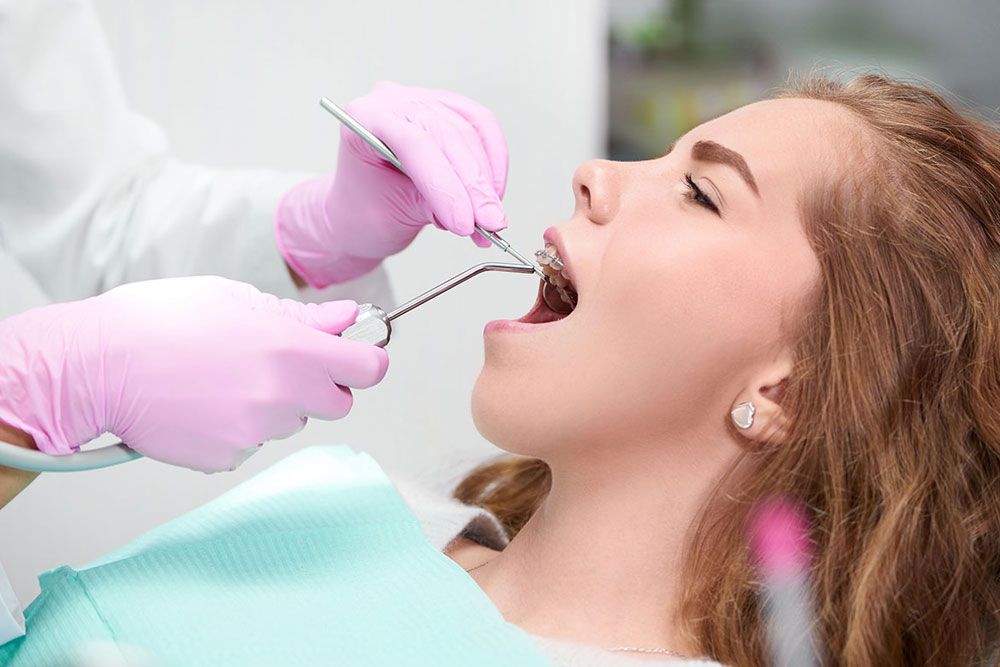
[373, 323]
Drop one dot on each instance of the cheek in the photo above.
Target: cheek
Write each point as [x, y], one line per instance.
[669, 335]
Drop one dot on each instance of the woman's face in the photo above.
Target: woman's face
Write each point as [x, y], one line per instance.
[683, 298]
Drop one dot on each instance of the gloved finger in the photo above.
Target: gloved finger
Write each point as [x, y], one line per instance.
[430, 171]
[331, 317]
[486, 125]
[332, 401]
[480, 241]
[461, 146]
[241, 455]
[316, 369]
[284, 421]
[344, 362]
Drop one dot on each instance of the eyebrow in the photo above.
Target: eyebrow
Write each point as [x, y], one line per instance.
[709, 151]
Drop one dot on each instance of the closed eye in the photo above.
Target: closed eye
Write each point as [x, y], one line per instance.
[694, 193]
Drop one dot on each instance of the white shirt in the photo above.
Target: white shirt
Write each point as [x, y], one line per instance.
[90, 197]
[11, 611]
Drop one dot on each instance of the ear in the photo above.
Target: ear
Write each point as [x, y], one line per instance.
[765, 393]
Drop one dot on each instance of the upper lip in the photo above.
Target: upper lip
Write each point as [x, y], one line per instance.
[553, 236]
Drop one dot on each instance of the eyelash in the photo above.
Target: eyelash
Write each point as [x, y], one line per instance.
[695, 194]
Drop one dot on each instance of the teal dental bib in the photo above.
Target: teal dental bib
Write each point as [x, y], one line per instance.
[315, 561]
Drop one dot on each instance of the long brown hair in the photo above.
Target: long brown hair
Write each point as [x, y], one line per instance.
[894, 403]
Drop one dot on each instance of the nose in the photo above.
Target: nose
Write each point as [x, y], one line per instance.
[596, 188]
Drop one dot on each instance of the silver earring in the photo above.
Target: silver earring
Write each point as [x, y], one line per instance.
[743, 414]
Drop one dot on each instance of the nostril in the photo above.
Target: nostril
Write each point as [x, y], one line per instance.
[585, 194]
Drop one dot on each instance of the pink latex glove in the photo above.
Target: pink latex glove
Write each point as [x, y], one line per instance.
[190, 371]
[340, 226]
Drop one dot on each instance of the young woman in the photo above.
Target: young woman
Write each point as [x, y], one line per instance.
[831, 257]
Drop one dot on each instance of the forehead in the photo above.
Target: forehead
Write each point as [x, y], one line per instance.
[786, 143]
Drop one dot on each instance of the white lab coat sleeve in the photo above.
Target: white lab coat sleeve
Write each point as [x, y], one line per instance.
[11, 612]
[89, 197]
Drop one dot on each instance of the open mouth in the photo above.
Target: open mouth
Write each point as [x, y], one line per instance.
[557, 296]
[558, 290]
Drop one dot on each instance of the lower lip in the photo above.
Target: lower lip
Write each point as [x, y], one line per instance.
[513, 326]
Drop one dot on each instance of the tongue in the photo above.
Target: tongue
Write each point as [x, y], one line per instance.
[541, 313]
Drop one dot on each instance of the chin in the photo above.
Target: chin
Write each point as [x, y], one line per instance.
[489, 410]
[505, 414]
[520, 419]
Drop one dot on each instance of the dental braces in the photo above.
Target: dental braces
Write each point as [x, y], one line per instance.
[555, 279]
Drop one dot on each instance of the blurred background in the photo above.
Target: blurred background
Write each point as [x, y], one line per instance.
[235, 84]
[675, 63]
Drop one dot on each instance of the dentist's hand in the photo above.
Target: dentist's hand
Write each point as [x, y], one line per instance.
[340, 226]
[190, 371]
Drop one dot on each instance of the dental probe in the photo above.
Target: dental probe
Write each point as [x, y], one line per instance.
[386, 152]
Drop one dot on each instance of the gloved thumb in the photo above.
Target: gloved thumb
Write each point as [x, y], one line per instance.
[331, 317]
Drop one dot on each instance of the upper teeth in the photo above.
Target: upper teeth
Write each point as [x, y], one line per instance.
[548, 257]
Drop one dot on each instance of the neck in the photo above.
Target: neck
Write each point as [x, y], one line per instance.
[601, 561]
